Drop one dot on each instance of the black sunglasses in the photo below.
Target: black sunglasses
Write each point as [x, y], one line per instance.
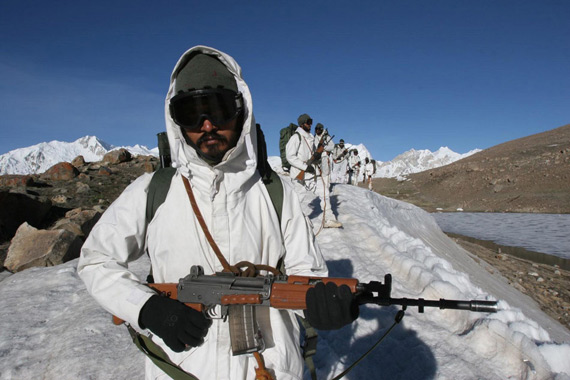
[220, 106]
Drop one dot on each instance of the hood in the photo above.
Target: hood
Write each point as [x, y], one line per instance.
[239, 162]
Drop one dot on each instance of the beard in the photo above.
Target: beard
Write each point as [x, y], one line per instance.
[216, 151]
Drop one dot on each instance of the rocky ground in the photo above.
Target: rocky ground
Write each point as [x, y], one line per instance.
[44, 200]
[531, 174]
[548, 285]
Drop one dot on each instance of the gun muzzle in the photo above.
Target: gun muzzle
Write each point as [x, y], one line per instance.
[163, 150]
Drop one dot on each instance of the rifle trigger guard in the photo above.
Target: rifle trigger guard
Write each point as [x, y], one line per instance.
[216, 312]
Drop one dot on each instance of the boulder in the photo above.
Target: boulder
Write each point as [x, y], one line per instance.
[82, 188]
[117, 156]
[14, 180]
[149, 166]
[31, 247]
[78, 161]
[79, 221]
[63, 171]
[103, 170]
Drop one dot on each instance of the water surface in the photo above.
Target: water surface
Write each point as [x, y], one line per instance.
[545, 233]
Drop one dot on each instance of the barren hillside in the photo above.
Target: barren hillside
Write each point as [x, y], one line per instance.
[530, 174]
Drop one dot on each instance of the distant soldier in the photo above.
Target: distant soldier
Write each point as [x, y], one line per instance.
[353, 167]
[368, 172]
[324, 175]
[339, 157]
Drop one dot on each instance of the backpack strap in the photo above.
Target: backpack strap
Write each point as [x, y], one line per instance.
[157, 191]
[270, 179]
[275, 189]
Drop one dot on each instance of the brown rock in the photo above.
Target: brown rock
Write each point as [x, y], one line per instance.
[149, 166]
[31, 247]
[78, 161]
[63, 171]
[103, 170]
[82, 188]
[117, 156]
[84, 219]
[13, 180]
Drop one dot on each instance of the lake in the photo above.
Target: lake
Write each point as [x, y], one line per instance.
[545, 233]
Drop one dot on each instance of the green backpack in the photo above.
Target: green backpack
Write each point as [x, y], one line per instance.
[284, 136]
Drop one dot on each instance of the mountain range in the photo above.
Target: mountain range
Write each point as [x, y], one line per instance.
[38, 158]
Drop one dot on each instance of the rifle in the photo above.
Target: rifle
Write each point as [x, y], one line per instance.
[316, 155]
[164, 150]
[216, 296]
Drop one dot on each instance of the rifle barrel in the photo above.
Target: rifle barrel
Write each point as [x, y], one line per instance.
[472, 305]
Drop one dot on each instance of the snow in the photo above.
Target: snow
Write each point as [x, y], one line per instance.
[52, 329]
[40, 157]
[415, 161]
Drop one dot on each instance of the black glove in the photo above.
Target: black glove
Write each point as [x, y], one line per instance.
[310, 169]
[330, 307]
[178, 325]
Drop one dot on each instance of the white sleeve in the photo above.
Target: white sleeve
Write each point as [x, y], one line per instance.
[291, 151]
[329, 146]
[117, 239]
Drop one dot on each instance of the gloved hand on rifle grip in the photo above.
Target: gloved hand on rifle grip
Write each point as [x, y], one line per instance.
[330, 307]
[310, 169]
[178, 325]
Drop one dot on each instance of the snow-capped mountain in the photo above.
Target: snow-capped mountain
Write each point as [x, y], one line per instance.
[415, 161]
[38, 158]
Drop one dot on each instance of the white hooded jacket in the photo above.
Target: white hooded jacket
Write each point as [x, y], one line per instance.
[325, 164]
[299, 150]
[242, 220]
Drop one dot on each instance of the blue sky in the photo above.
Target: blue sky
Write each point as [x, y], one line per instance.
[393, 75]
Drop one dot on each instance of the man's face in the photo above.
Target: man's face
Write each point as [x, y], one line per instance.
[341, 145]
[307, 126]
[214, 141]
[319, 131]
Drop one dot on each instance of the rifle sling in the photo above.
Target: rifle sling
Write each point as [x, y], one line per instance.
[200, 218]
[158, 356]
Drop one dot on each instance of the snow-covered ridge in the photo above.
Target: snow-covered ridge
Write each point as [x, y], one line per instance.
[415, 161]
[38, 158]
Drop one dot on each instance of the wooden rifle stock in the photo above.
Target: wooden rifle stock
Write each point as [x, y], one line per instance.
[288, 294]
[314, 157]
[205, 293]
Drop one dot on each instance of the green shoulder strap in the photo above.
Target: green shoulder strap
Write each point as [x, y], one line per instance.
[157, 191]
[160, 183]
